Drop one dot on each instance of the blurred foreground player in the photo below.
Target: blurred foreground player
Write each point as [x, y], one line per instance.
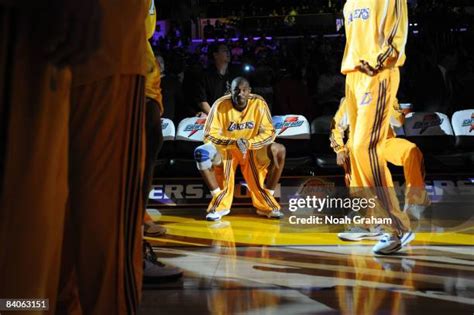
[39, 40]
[239, 131]
[397, 151]
[376, 33]
[102, 253]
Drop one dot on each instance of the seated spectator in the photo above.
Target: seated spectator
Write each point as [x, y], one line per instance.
[214, 82]
[208, 30]
[219, 29]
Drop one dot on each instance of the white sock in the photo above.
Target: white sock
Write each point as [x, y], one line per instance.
[215, 191]
[271, 191]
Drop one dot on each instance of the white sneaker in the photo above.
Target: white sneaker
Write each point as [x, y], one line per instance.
[274, 214]
[356, 233]
[216, 215]
[389, 244]
[407, 237]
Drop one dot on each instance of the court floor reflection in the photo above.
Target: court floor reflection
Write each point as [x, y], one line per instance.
[247, 265]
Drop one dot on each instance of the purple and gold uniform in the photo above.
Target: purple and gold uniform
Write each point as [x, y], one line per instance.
[224, 126]
[376, 32]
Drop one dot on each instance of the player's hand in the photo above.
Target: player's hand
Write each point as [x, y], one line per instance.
[72, 31]
[243, 145]
[342, 158]
[366, 68]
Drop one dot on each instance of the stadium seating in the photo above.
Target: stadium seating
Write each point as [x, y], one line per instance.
[308, 149]
[293, 132]
[189, 136]
[430, 131]
[433, 134]
[168, 149]
[169, 134]
[463, 126]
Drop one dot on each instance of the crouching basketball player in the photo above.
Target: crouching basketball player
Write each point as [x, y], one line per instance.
[239, 131]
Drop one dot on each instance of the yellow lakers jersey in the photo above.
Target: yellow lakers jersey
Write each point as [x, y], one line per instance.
[376, 32]
[225, 124]
[153, 76]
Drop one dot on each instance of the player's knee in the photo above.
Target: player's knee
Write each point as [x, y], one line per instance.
[414, 151]
[203, 155]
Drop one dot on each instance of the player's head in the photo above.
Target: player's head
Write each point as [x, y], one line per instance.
[220, 53]
[240, 92]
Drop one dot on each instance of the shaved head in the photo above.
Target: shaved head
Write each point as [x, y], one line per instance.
[237, 81]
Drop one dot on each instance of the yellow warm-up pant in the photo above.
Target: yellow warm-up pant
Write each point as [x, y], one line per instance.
[34, 114]
[254, 167]
[70, 181]
[401, 152]
[368, 105]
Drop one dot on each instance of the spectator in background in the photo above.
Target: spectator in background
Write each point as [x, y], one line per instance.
[219, 29]
[208, 30]
[215, 81]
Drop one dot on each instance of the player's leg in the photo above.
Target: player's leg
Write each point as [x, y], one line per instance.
[373, 96]
[218, 171]
[207, 160]
[106, 175]
[254, 170]
[402, 152]
[277, 154]
[34, 118]
[355, 232]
